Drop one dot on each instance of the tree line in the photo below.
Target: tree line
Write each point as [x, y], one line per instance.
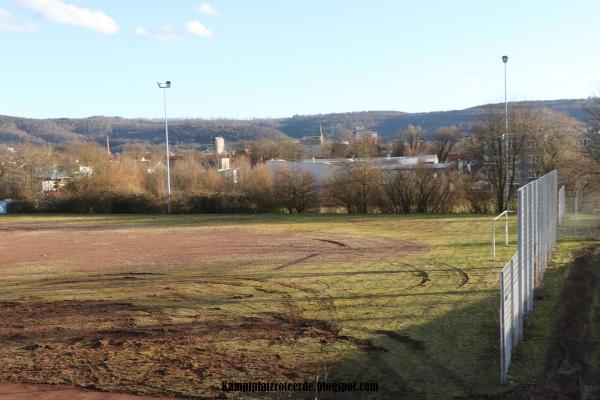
[134, 180]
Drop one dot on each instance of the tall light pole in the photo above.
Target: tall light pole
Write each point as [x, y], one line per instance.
[506, 188]
[164, 87]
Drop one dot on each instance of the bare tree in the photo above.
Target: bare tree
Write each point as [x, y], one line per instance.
[356, 185]
[365, 147]
[537, 136]
[410, 142]
[421, 190]
[297, 190]
[489, 145]
[556, 139]
[444, 140]
[592, 134]
[266, 149]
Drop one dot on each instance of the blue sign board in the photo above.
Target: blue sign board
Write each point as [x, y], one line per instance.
[3, 206]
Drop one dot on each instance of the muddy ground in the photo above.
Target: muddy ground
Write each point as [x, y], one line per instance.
[170, 338]
[92, 344]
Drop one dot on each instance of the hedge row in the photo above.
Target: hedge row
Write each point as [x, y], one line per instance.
[135, 203]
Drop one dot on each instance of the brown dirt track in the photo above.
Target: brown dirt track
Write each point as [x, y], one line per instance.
[20, 391]
[98, 247]
[51, 335]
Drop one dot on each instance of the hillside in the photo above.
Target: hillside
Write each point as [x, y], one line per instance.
[196, 132]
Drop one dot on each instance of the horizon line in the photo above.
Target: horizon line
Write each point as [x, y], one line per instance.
[221, 118]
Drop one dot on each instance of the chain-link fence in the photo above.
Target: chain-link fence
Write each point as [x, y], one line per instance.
[537, 212]
[582, 217]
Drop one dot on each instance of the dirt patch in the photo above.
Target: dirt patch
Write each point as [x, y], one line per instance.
[90, 248]
[38, 319]
[99, 344]
[21, 391]
[568, 373]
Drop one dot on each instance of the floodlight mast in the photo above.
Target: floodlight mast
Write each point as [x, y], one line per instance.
[165, 86]
[506, 148]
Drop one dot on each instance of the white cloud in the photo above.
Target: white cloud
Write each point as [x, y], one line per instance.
[10, 23]
[196, 28]
[166, 33]
[558, 76]
[207, 9]
[58, 11]
[471, 80]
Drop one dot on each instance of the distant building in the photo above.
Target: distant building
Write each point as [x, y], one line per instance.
[223, 162]
[361, 132]
[54, 181]
[85, 170]
[230, 176]
[313, 145]
[321, 169]
[219, 145]
[221, 157]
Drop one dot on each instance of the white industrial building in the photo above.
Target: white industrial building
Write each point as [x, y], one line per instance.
[323, 168]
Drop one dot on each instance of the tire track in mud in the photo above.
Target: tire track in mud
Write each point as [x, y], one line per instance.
[461, 272]
[297, 261]
[424, 275]
[294, 311]
[335, 242]
[420, 266]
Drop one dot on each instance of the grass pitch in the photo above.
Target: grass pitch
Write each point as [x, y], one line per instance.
[177, 304]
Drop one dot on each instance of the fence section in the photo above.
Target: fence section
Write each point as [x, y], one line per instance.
[509, 309]
[561, 206]
[537, 221]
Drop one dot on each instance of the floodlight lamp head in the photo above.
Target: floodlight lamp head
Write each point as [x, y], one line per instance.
[504, 59]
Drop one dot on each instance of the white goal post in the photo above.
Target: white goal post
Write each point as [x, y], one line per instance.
[505, 214]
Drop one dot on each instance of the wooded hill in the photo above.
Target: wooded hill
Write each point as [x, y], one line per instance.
[199, 132]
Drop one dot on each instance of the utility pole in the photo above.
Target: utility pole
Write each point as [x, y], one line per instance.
[164, 87]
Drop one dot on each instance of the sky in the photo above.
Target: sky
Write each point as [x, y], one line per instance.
[275, 58]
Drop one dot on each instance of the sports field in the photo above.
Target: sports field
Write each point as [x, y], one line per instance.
[174, 305]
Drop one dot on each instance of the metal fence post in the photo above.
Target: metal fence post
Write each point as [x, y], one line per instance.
[536, 244]
[502, 329]
[531, 240]
[494, 240]
[506, 229]
[520, 263]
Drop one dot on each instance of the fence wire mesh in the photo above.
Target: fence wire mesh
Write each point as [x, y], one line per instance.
[537, 210]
